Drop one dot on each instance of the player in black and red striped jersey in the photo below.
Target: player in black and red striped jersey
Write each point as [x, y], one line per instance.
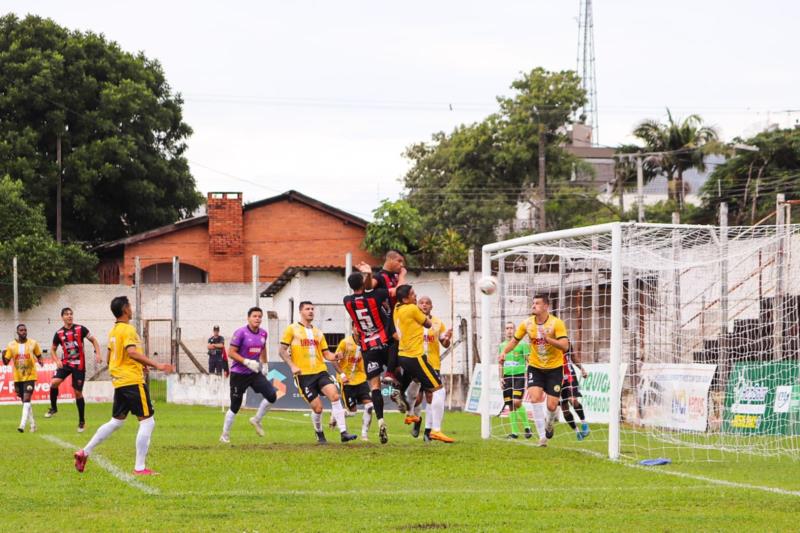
[369, 311]
[70, 338]
[570, 394]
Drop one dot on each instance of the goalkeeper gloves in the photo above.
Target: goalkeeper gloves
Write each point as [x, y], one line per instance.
[252, 365]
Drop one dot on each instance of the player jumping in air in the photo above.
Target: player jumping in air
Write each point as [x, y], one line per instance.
[70, 338]
[24, 353]
[304, 349]
[248, 352]
[549, 341]
[512, 381]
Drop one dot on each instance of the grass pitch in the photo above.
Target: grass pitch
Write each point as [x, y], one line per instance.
[284, 482]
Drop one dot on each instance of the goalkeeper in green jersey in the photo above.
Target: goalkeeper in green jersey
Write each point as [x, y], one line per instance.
[512, 381]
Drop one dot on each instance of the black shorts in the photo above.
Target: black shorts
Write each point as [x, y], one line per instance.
[21, 387]
[78, 376]
[310, 386]
[392, 361]
[356, 394]
[216, 365]
[548, 379]
[513, 387]
[133, 399]
[570, 389]
[256, 381]
[418, 368]
[375, 361]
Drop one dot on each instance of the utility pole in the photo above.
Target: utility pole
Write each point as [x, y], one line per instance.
[542, 181]
[640, 187]
[58, 189]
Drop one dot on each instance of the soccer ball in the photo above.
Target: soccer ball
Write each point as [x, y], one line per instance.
[488, 285]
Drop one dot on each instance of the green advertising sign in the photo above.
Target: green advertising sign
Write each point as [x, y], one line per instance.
[763, 399]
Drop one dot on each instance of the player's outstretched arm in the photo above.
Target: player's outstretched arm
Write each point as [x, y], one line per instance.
[332, 356]
[134, 354]
[96, 345]
[283, 353]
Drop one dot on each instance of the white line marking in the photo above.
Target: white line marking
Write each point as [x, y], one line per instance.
[106, 465]
[696, 477]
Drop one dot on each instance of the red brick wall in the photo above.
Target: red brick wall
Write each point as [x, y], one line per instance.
[190, 245]
[225, 237]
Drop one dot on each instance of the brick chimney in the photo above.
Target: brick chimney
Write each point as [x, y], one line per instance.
[225, 239]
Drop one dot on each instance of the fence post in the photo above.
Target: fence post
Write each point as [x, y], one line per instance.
[137, 295]
[16, 292]
[255, 280]
[175, 314]
[777, 303]
[473, 315]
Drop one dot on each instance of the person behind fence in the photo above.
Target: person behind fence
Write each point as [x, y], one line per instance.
[72, 362]
[216, 345]
[24, 353]
[126, 364]
[248, 349]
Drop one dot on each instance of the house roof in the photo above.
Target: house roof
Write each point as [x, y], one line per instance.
[290, 196]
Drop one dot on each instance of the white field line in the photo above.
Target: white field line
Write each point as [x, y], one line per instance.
[711, 480]
[106, 465]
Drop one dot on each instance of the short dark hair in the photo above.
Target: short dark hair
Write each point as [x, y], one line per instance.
[251, 311]
[118, 305]
[393, 251]
[356, 281]
[65, 310]
[216, 328]
[543, 297]
[21, 326]
[304, 303]
[402, 292]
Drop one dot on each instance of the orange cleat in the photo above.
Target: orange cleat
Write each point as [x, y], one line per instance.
[441, 437]
[412, 419]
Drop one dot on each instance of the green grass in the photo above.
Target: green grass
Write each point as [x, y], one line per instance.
[283, 482]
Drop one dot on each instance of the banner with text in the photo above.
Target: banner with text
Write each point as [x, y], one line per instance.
[675, 396]
[763, 398]
[41, 393]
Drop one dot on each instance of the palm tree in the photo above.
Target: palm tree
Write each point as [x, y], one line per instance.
[685, 142]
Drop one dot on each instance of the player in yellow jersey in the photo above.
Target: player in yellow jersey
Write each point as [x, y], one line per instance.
[410, 324]
[126, 362]
[352, 380]
[549, 341]
[25, 353]
[304, 349]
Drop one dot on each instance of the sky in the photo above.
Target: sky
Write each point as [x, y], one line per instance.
[323, 97]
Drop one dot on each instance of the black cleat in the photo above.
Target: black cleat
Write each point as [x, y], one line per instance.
[321, 438]
[513, 436]
[50, 412]
[398, 397]
[548, 430]
[347, 437]
[528, 433]
[383, 435]
[416, 428]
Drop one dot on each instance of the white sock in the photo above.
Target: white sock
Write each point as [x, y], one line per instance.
[262, 410]
[143, 441]
[417, 410]
[102, 433]
[539, 418]
[437, 402]
[26, 409]
[366, 419]
[338, 414]
[429, 414]
[552, 416]
[31, 421]
[316, 419]
[226, 426]
[412, 392]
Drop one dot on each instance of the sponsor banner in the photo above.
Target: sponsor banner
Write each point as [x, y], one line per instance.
[41, 393]
[675, 396]
[763, 398]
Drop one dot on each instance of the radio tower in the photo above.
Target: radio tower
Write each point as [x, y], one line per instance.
[586, 67]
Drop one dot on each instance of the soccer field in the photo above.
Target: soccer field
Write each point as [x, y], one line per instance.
[284, 482]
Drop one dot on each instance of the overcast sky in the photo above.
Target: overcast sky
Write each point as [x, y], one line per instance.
[323, 96]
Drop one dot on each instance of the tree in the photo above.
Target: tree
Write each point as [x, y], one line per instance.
[121, 128]
[396, 226]
[749, 179]
[686, 143]
[42, 263]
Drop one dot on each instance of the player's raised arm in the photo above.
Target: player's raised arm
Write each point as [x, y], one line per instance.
[136, 355]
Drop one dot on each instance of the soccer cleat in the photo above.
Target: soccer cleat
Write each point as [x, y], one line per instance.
[257, 425]
[579, 435]
[585, 429]
[21, 429]
[321, 438]
[365, 437]
[225, 438]
[80, 460]
[543, 442]
[144, 472]
[32, 428]
[426, 437]
[412, 419]
[383, 434]
[513, 436]
[347, 437]
[528, 433]
[415, 429]
[402, 404]
[50, 412]
[441, 437]
[81, 427]
[548, 430]
[389, 378]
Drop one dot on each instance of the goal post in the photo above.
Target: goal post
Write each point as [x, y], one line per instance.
[690, 334]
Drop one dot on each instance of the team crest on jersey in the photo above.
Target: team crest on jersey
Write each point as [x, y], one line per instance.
[557, 388]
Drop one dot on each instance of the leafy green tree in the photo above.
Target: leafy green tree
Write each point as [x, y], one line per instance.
[687, 142]
[121, 128]
[42, 264]
[749, 180]
[396, 226]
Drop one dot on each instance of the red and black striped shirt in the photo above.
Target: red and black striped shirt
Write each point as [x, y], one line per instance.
[369, 312]
[71, 342]
[388, 280]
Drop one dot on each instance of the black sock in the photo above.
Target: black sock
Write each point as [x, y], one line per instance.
[569, 418]
[579, 409]
[377, 403]
[81, 407]
[53, 398]
[428, 431]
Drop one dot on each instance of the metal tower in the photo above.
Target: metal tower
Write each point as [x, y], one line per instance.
[586, 67]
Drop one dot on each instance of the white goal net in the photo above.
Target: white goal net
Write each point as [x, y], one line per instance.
[689, 336]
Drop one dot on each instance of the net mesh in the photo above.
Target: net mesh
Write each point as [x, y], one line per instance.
[710, 339]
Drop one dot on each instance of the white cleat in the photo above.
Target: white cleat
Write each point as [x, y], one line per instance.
[257, 425]
[225, 438]
[543, 442]
[33, 428]
[365, 438]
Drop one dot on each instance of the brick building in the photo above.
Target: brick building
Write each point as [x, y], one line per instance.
[284, 230]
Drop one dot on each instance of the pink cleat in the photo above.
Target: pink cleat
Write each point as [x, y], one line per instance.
[80, 460]
[145, 472]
